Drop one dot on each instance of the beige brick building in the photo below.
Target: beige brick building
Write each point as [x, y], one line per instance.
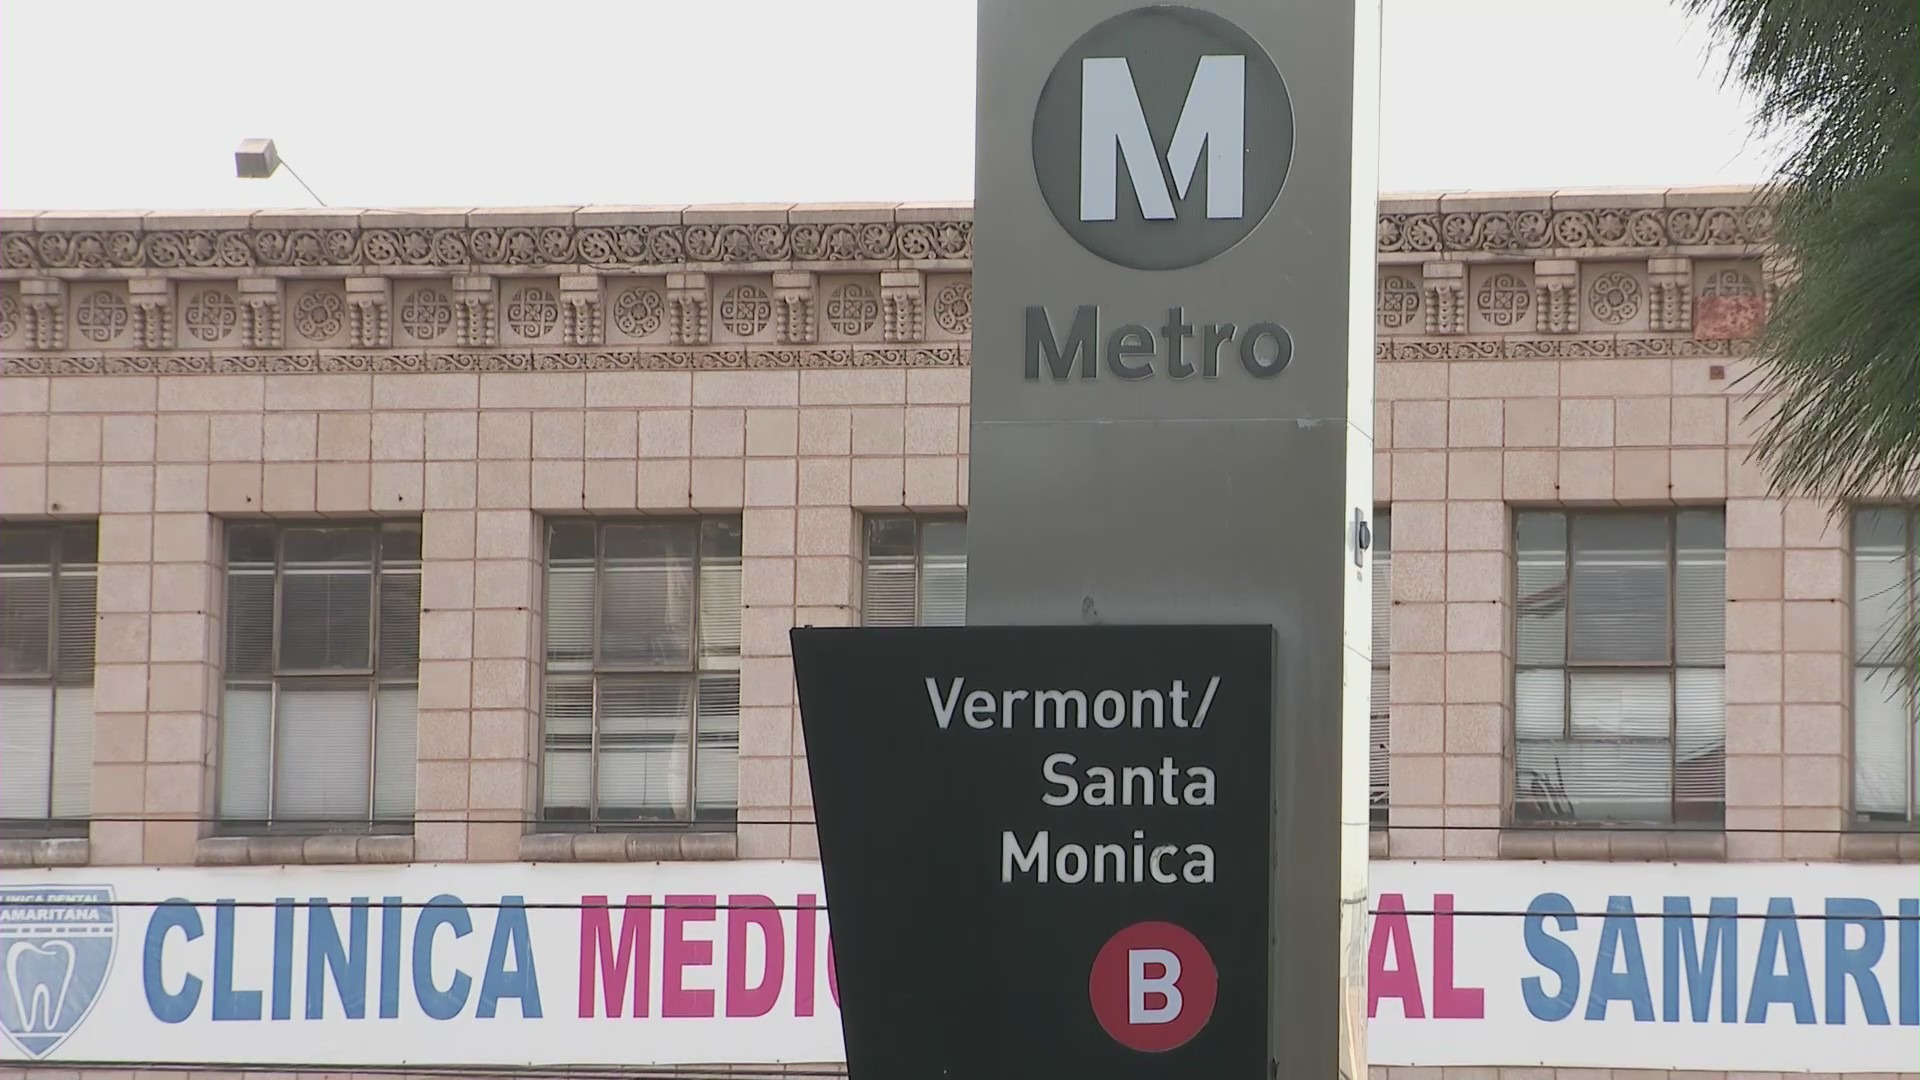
[524, 503]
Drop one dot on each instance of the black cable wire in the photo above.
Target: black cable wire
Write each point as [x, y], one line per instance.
[611, 905]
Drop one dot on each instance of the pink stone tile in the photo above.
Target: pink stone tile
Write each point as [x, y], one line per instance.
[399, 436]
[1814, 729]
[1419, 526]
[773, 432]
[233, 487]
[639, 389]
[73, 438]
[932, 430]
[1415, 730]
[664, 485]
[1474, 423]
[1754, 575]
[1419, 577]
[1531, 422]
[1642, 421]
[1753, 729]
[1476, 678]
[1474, 526]
[766, 532]
[826, 431]
[288, 488]
[1473, 474]
[1615, 378]
[611, 485]
[612, 433]
[1698, 474]
[666, 433]
[343, 487]
[1753, 626]
[771, 482]
[744, 388]
[1753, 678]
[932, 483]
[878, 483]
[346, 436]
[1815, 575]
[540, 390]
[1418, 628]
[718, 484]
[559, 434]
[938, 387]
[506, 434]
[1754, 523]
[453, 436]
[1641, 476]
[1810, 523]
[1699, 421]
[561, 485]
[1812, 781]
[452, 485]
[879, 432]
[74, 489]
[1586, 423]
[1420, 424]
[1530, 475]
[1586, 475]
[23, 440]
[719, 433]
[1815, 677]
[872, 387]
[1476, 729]
[131, 438]
[1502, 379]
[291, 436]
[1475, 627]
[398, 486]
[1418, 679]
[1816, 626]
[1419, 475]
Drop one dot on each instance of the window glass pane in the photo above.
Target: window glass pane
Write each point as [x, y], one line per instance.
[26, 547]
[80, 543]
[399, 623]
[717, 787]
[889, 585]
[644, 723]
[1540, 606]
[1620, 570]
[1378, 737]
[250, 545]
[249, 629]
[322, 744]
[26, 613]
[1540, 704]
[326, 599]
[400, 545]
[1593, 781]
[943, 574]
[1699, 748]
[77, 589]
[1882, 740]
[569, 612]
[1382, 586]
[1700, 588]
[1882, 583]
[396, 734]
[72, 751]
[646, 595]
[26, 749]
[246, 715]
[1624, 705]
[566, 774]
[719, 594]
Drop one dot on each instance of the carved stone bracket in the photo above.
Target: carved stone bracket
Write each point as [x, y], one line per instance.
[794, 307]
[903, 305]
[583, 322]
[370, 312]
[1444, 289]
[473, 301]
[152, 301]
[43, 303]
[687, 304]
[1670, 294]
[1556, 286]
[262, 302]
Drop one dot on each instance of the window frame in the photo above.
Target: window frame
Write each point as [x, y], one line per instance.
[1381, 531]
[1892, 667]
[1698, 815]
[275, 823]
[693, 673]
[50, 825]
[920, 523]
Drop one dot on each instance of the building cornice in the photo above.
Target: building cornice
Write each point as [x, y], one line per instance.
[806, 236]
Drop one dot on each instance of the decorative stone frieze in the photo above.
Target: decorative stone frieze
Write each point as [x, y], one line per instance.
[1556, 306]
[793, 306]
[370, 307]
[473, 307]
[43, 303]
[152, 300]
[416, 361]
[1443, 287]
[261, 301]
[582, 321]
[903, 302]
[1670, 294]
[687, 309]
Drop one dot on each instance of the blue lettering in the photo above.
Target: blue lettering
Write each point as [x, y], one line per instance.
[510, 935]
[1620, 936]
[390, 957]
[1780, 933]
[283, 958]
[326, 954]
[1554, 955]
[228, 1003]
[170, 1007]
[1700, 964]
[1910, 963]
[448, 911]
[1845, 963]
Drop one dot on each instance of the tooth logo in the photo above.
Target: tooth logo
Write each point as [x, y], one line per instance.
[56, 946]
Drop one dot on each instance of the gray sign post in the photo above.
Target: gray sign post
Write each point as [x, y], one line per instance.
[1173, 389]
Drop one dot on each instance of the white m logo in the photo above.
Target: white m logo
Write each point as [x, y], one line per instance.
[1214, 116]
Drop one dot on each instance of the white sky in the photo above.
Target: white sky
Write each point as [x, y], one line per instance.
[136, 103]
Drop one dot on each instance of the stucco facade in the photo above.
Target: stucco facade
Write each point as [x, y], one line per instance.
[803, 368]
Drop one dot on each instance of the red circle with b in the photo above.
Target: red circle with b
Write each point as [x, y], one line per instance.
[1153, 986]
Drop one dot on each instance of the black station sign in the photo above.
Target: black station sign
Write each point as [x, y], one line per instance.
[1045, 848]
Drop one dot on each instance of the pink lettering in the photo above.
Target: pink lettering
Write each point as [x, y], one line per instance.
[743, 914]
[613, 968]
[803, 946]
[678, 954]
[833, 977]
[1390, 931]
[1450, 1002]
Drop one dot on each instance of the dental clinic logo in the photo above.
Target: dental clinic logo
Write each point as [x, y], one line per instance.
[1162, 137]
[56, 945]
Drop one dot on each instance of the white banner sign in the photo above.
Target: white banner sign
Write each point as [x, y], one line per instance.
[1743, 967]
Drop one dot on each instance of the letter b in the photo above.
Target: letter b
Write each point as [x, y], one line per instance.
[1164, 986]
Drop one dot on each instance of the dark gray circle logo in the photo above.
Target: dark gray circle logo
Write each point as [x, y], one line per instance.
[1162, 137]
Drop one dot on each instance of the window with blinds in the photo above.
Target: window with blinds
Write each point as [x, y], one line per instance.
[1378, 728]
[914, 572]
[1885, 710]
[1620, 683]
[318, 710]
[641, 708]
[47, 576]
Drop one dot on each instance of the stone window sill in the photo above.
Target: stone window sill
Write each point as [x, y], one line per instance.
[22, 851]
[1614, 845]
[628, 846]
[325, 849]
[1881, 845]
